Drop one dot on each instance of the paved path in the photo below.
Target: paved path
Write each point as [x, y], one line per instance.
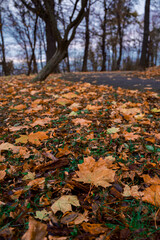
[125, 80]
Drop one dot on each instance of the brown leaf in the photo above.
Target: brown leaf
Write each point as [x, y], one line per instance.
[36, 231]
[155, 180]
[152, 195]
[95, 173]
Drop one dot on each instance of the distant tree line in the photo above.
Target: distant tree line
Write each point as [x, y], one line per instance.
[77, 35]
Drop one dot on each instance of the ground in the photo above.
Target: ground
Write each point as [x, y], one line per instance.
[80, 160]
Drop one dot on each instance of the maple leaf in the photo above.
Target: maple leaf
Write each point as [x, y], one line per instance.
[147, 179]
[152, 195]
[41, 122]
[64, 203]
[36, 137]
[131, 136]
[93, 228]
[63, 151]
[19, 107]
[81, 121]
[70, 95]
[42, 215]
[8, 146]
[64, 101]
[22, 139]
[155, 110]
[29, 176]
[38, 182]
[95, 173]
[112, 130]
[2, 174]
[36, 230]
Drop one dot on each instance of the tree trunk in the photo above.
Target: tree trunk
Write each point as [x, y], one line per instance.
[59, 55]
[104, 38]
[4, 64]
[85, 58]
[144, 60]
[51, 44]
[120, 46]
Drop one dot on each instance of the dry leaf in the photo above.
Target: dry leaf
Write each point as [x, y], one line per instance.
[81, 121]
[36, 137]
[38, 182]
[64, 203]
[93, 228]
[2, 174]
[152, 195]
[95, 173]
[36, 231]
[8, 146]
[147, 179]
[112, 130]
[131, 136]
[22, 139]
[42, 215]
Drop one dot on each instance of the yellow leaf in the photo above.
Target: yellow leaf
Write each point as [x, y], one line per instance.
[155, 110]
[112, 130]
[22, 139]
[42, 215]
[64, 203]
[29, 176]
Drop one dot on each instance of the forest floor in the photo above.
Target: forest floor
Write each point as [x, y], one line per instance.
[78, 161]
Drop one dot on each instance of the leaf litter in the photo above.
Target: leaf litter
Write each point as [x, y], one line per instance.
[78, 161]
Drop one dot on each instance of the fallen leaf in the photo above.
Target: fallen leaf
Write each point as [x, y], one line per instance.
[112, 130]
[93, 229]
[64, 203]
[95, 173]
[2, 175]
[42, 215]
[152, 195]
[36, 137]
[8, 146]
[147, 179]
[81, 121]
[38, 182]
[22, 139]
[131, 136]
[36, 230]
[29, 176]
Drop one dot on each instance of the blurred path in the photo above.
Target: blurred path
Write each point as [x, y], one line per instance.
[127, 80]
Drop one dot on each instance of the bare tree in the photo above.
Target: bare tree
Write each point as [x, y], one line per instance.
[144, 59]
[2, 44]
[62, 37]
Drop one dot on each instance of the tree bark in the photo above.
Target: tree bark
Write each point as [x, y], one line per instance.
[104, 38]
[59, 55]
[87, 37]
[4, 64]
[144, 53]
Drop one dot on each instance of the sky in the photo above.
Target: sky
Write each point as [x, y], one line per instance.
[13, 49]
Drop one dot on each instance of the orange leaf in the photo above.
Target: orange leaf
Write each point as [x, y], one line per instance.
[155, 180]
[96, 173]
[152, 195]
[93, 228]
[36, 137]
[81, 121]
